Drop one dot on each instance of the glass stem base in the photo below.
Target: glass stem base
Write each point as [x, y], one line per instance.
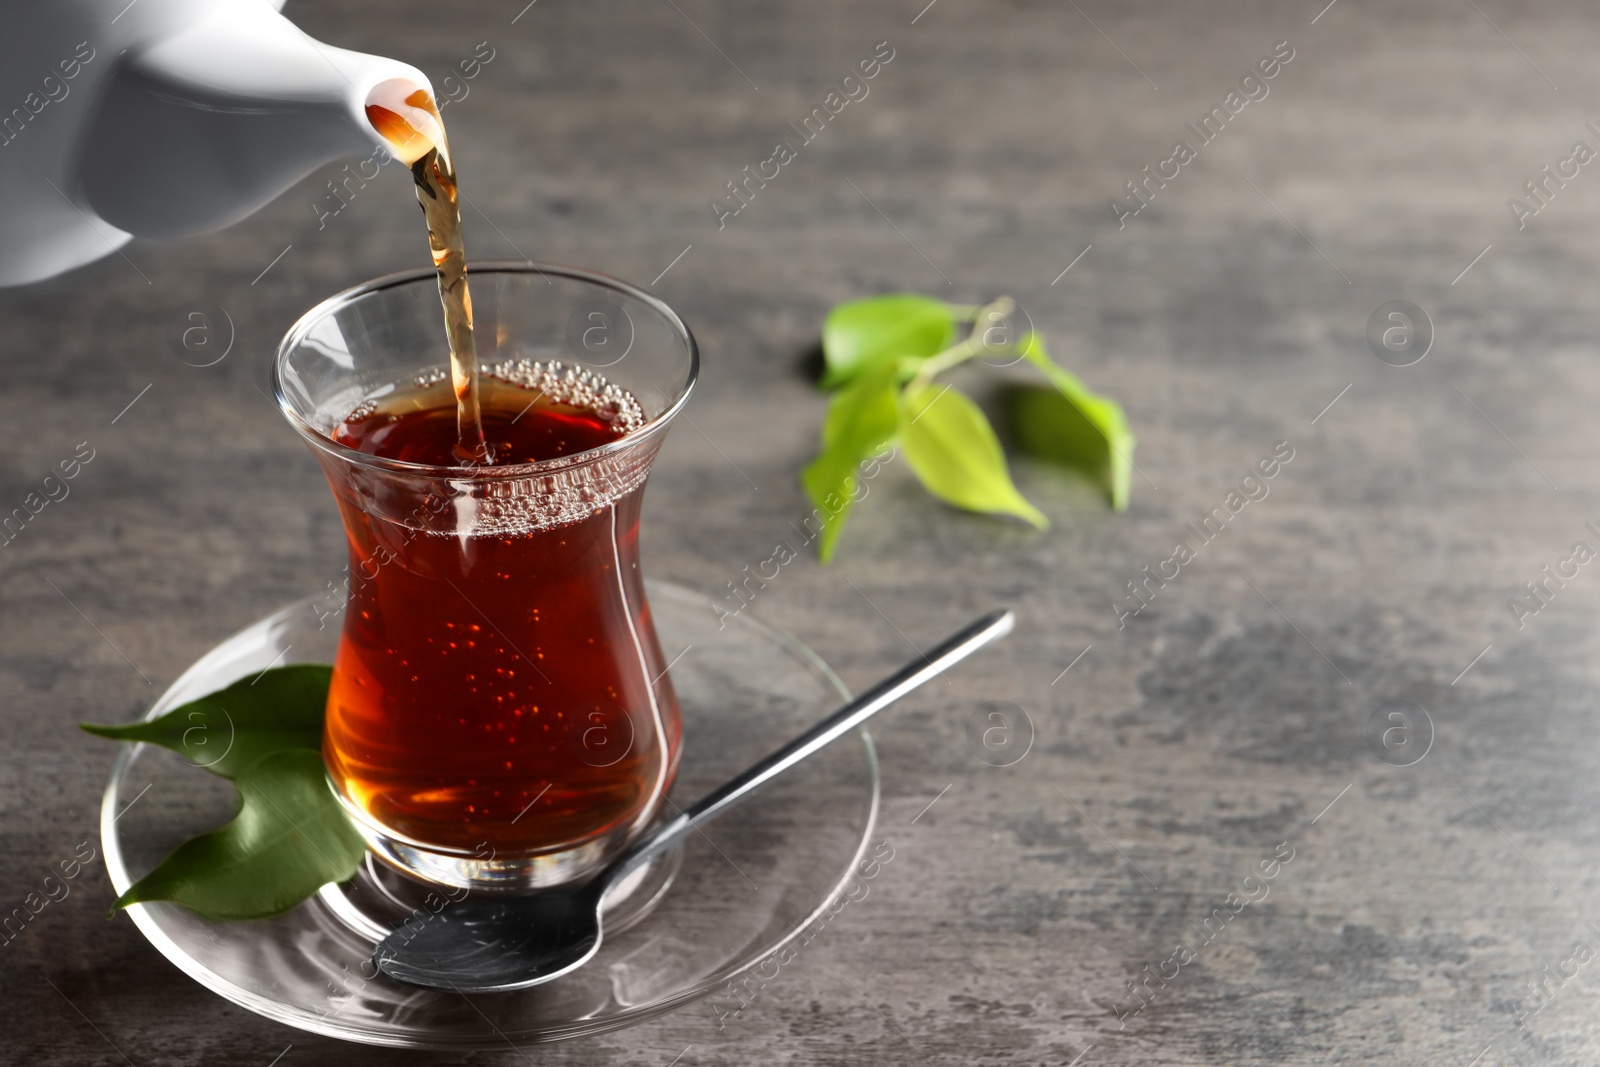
[491, 872]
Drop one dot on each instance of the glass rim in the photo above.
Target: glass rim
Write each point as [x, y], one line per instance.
[652, 428]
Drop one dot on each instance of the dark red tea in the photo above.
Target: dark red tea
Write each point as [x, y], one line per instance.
[500, 690]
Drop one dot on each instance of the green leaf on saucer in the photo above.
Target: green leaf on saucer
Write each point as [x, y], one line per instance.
[1073, 426]
[862, 417]
[290, 837]
[954, 452]
[864, 333]
[233, 727]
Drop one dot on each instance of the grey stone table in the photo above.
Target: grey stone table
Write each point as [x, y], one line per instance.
[1438, 913]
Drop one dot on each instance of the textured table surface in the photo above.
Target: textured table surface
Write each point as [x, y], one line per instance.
[1228, 721]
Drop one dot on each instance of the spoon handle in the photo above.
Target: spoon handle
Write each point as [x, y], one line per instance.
[951, 651]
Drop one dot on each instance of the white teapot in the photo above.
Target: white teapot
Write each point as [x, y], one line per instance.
[163, 118]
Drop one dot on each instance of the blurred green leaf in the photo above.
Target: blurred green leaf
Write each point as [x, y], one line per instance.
[865, 333]
[953, 450]
[888, 353]
[861, 418]
[1073, 426]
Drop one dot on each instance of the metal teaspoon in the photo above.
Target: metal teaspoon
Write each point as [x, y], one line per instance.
[511, 943]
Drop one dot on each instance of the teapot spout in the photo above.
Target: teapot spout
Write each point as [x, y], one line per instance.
[205, 127]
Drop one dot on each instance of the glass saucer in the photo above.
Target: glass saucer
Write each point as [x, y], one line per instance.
[757, 879]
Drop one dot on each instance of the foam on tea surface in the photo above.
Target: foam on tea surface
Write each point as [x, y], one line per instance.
[575, 387]
[532, 412]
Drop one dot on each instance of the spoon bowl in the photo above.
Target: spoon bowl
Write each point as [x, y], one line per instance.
[493, 946]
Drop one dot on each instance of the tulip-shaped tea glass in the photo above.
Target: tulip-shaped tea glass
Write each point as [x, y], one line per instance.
[500, 713]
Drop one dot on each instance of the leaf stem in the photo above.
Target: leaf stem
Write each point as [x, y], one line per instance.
[965, 349]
